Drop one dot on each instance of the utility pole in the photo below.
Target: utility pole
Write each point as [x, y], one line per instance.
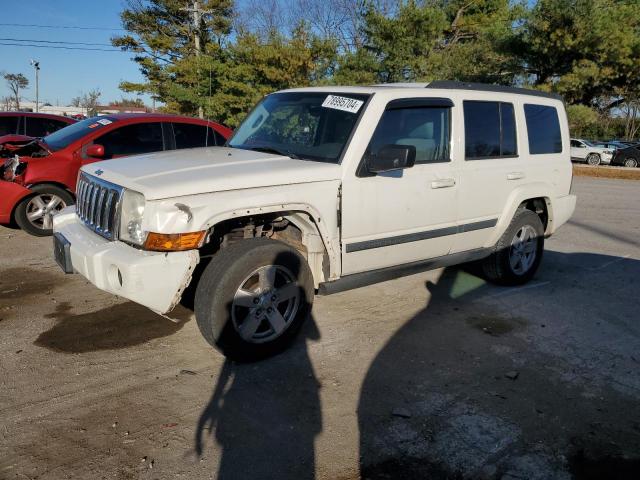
[197, 18]
[36, 66]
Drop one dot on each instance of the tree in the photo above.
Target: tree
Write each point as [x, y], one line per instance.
[128, 102]
[16, 82]
[583, 49]
[88, 101]
[162, 36]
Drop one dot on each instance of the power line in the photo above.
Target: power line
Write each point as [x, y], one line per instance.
[52, 41]
[62, 47]
[57, 26]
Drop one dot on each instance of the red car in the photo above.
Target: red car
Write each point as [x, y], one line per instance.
[39, 179]
[24, 126]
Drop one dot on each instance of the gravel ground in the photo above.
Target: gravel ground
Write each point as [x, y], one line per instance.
[436, 375]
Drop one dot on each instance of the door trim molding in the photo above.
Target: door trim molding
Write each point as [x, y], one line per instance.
[419, 236]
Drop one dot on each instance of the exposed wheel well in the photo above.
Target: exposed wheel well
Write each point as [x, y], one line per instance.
[296, 229]
[539, 207]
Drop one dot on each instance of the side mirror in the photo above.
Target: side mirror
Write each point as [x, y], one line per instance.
[392, 157]
[95, 151]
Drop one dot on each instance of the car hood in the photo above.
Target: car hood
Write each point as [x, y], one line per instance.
[178, 173]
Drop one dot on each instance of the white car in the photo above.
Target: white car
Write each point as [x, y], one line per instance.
[320, 189]
[585, 151]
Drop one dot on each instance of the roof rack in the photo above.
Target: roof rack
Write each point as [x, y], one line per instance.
[487, 87]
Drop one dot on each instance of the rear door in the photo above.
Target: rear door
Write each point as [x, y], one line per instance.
[578, 150]
[491, 169]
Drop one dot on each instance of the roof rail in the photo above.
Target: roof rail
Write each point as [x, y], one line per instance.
[487, 87]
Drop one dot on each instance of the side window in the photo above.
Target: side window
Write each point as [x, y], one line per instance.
[426, 128]
[489, 130]
[543, 129]
[8, 125]
[132, 139]
[189, 135]
[220, 140]
[41, 127]
[575, 143]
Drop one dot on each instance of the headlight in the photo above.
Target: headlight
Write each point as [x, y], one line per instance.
[131, 213]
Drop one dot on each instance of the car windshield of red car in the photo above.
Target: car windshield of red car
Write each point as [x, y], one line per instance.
[67, 135]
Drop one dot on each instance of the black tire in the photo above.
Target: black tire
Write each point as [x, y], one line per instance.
[630, 162]
[497, 267]
[593, 159]
[43, 191]
[216, 315]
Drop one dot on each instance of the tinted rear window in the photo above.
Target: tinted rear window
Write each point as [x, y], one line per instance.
[490, 130]
[543, 129]
[190, 135]
[8, 125]
[41, 127]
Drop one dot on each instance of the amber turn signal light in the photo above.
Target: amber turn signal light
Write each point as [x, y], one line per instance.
[174, 242]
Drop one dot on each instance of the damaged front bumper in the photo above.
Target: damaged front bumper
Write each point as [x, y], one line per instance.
[153, 279]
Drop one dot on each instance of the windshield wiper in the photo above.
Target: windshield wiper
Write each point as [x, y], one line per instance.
[277, 151]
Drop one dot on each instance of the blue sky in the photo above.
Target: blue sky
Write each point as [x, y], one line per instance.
[65, 73]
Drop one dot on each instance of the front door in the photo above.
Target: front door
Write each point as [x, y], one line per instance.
[406, 215]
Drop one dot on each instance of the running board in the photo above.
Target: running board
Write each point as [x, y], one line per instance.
[358, 280]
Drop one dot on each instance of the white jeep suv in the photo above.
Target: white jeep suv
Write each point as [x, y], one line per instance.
[584, 151]
[318, 190]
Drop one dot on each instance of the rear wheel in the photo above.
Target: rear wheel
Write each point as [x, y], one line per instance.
[593, 159]
[631, 162]
[518, 253]
[253, 297]
[35, 213]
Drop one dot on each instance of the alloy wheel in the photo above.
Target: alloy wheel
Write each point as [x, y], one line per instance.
[41, 209]
[523, 251]
[265, 304]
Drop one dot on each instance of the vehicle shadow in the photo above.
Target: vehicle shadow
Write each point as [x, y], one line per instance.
[490, 382]
[265, 416]
[111, 328]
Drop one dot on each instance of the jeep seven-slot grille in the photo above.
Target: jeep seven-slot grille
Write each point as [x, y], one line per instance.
[97, 205]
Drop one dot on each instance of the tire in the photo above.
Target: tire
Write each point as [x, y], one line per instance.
[246, 292]
[34, 213]
[630, 162]
[593, 159]
[500, 267]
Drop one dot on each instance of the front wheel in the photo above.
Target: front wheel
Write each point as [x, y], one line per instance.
[518, 253]
[253, 297]
[35, 213]
[631, 162]
[593, 159]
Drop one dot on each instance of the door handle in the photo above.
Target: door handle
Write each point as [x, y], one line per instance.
[443, 183]
[515, 175]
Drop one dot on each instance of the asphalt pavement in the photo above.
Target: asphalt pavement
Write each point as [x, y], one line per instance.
[437, 375]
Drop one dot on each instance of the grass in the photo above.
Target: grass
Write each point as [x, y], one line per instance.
[606, 172]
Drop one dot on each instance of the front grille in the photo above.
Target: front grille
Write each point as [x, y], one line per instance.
[97, 205]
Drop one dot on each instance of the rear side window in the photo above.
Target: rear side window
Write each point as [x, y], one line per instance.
[189, 135]
[8, 125]
[41, 127]
[426, 128]
[132, 139]
[490, 130]
[543, 129]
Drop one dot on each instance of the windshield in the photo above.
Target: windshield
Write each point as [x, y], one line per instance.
[305, 125]
[67, 135]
